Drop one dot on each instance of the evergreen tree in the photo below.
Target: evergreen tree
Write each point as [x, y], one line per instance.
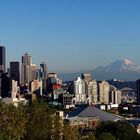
[70, 133]
[39, 121]
[121, 130]
[91, 137]
[13, 122]
[106, 136]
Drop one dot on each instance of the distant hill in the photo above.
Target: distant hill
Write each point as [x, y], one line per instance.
[122, 69]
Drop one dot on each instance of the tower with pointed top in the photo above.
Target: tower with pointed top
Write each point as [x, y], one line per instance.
[26, 69]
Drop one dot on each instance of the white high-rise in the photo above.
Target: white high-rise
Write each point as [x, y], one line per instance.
[104, 92]
[79, 90]
[92, 92]
[14, 89]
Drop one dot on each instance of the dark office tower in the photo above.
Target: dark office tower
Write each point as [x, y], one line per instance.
[51, 80]
[2, 59]
[5, 85]
[138, 91]
[15, 72]
[43, 71]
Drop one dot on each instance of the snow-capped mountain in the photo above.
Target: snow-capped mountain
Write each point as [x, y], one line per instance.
[122, 69]
[121, 65]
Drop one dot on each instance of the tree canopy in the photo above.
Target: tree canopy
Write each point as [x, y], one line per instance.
[36, 121]
[106, 136]
[121, 130]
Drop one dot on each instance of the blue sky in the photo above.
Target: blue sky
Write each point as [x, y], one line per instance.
[71, 35]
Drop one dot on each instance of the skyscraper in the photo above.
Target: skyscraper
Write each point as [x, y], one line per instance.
[43, 75]
[51, 80]
[87, 77]
[114, 95]
[43, 72]
[14, 89]
[5, 86]
[26, 69]
[15, 72]
[93, 92]
[2, 59]
[79, 90]
[36, 87]
[138, 91]
[33, 69]
[104, 92]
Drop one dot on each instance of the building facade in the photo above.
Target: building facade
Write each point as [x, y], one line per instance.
[5, 85]
[138, 91]
[93, 92]
[15, 72]
[114, 95]
[33, 70]
[104, 92]
[79, 90]
[2, 58]
[51, 80]
[86, 77]
[26, 69]
[14, 89]
[43, 75]
[36, 87]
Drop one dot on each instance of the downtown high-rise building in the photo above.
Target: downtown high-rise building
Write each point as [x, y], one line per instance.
[14, 89]
[33, 70]
[92, 92]
[43, 71]
[43, 75]
[138, 91]
[26, 69]
[2, 59]
[51, 80]
[104, 92]
[4, 85]
[79, 90]
[86, 77]
[36, 87]
[15, 72]
[114, 95]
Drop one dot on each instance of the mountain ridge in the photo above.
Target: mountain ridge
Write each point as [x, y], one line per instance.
[121, 69]
[120, 65]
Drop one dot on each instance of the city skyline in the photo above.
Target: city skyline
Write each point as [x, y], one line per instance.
[70, 35]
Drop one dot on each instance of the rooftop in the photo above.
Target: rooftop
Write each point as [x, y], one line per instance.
[91, 111]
